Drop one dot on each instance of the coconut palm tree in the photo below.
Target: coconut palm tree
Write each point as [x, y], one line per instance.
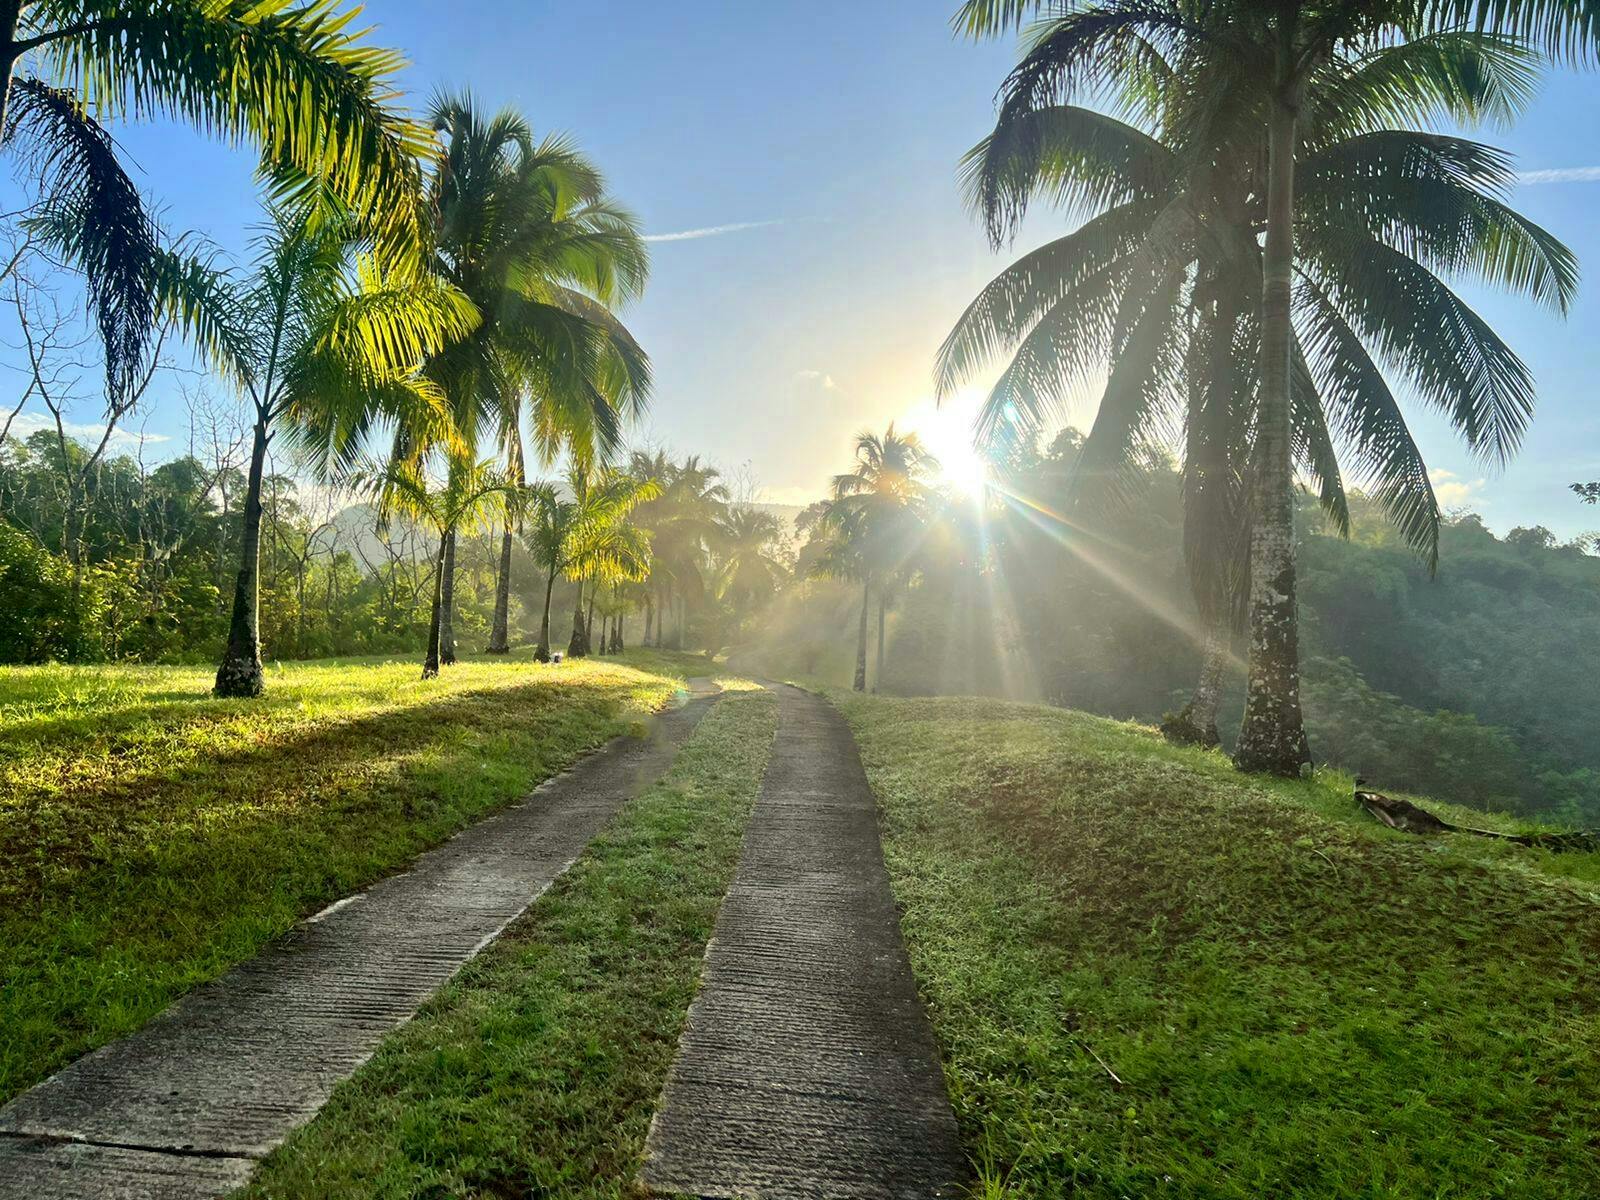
[880, 508]
[469, 496]
[604, 545]
[750, 566]
[295, 80]
[684, 523]
[1387, 211]
[526, 229]
[325, 346]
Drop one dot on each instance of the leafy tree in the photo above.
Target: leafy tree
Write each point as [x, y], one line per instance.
[324, 345]
[750, 567]
[879, 509]
[527, 231]
[471, 494]
[1369, 273]
[603, 545]
[292, 79]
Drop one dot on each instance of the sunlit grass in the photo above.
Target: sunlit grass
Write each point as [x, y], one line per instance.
[1297, 1002]
[151, 836]
[535, 1073]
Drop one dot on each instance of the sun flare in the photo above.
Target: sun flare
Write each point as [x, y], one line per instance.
[945, 431]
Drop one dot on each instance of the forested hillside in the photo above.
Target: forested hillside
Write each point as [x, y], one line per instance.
[1473, 684]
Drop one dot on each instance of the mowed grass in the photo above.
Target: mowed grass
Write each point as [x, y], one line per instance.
[536, 1071]
[150, 836]
[1296, 1002]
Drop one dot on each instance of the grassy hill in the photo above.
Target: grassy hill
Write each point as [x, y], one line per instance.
[151, 837]
[1151, 976]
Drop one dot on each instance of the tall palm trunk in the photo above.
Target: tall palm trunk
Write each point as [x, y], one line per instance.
[877, 677]
[447, 603]
[10, 52]
[860, 684]
[1195, 724]
[1272, 738]
[430, 665]
[239, 674]
[542, 653]
[649, 618]
[500, 633]
[578, 646]
[588, 628]
[617, 646]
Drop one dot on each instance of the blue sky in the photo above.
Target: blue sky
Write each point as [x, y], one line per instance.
[821, 141]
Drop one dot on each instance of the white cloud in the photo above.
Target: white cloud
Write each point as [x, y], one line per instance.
[1561, 175]
[821, 377]
[1452, 491]
[31, 422]
[689, 235]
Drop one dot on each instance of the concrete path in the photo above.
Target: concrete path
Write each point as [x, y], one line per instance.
[185, 1106]
[807, 1067]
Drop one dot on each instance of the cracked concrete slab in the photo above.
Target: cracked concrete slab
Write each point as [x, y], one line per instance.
[807, 1067]
[184, 1106]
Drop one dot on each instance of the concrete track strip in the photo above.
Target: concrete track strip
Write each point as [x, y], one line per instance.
[183, 1107]
[807, 1067]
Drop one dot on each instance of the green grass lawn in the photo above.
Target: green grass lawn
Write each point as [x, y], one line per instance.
[1297, 1003]
[150, 836]
[536, 1071]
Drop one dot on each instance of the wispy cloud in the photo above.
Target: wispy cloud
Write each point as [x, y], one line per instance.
[32, 422]
[689, 235]
[1561, 175]
[821, 377]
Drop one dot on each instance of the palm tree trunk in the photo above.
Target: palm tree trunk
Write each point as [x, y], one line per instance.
[649, 618]
[239, 673]
[10, 15]
[542, 653]
[447, 603]
[860, 684]
[877, 678]
[500, 633]
[1273, 738]
[588, 628]
[430, 664]
[577, 647]
[1195, 724]
[617, 646]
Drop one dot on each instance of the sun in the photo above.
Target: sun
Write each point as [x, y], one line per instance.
[945, 431]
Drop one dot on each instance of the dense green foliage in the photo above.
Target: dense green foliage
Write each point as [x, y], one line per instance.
[1150, 976]
[1474, 684]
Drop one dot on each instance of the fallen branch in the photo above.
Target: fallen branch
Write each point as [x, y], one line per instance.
[1115, 1078]
[1408, 818]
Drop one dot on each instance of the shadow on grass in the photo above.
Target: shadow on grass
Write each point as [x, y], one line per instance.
[118, 898]
[87, 822]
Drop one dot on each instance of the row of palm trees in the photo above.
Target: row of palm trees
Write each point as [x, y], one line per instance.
[1269, 227]
[874, 529]
[424, 299]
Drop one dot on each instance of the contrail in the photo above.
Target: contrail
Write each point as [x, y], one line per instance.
[689, 235]
[1561, 175]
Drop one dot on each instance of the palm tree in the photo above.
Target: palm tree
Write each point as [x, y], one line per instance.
[750, 567]
[880, 507]
[837, 549]
[604, 545]
[1396, 206]
[527, 231]
[325, 345]
[296, 81]
[471, 495]
[684, 525]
